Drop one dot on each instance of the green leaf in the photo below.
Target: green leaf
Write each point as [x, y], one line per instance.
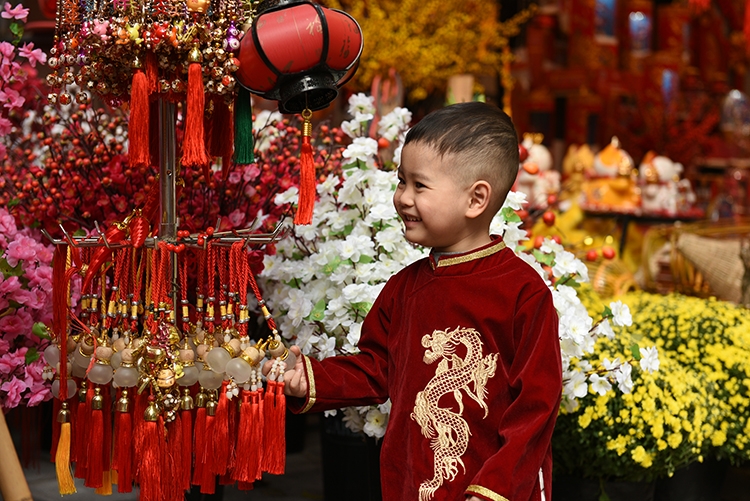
[510, 215]
[363, 307]
[636, 351]
[80, 232]
[365, 259]
[32, 356]
[10, 271]
[318, 312]
[40, 330]
[13, 202]
[543, 258]
[607, 313]
[17, 30]
[331, 266]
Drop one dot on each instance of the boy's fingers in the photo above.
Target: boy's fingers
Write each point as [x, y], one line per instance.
[267, 367]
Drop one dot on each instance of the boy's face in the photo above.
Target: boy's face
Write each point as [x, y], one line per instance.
[431, 201]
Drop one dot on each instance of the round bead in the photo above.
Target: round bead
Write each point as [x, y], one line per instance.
[126, 377]
[238, 370]
[210, 380]
[190, 376]
[52, 355]
[100, 374]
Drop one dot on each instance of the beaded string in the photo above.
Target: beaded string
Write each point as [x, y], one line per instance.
[211, 286]
[183, 293]
[223, 266]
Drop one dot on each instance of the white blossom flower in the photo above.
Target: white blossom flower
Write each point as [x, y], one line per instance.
[604, 329]
[362, 149]
[599, 384]
[361, 103]
[353, 420]
[649, 359]
[620, 314]
[623, 377]
[576, 386]
[287, 197]
[375, 423]
[515, 200]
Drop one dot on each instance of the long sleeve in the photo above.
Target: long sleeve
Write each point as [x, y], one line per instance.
[360, 379]
[525, 429]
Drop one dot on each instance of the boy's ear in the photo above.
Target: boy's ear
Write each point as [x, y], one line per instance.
[479, 198]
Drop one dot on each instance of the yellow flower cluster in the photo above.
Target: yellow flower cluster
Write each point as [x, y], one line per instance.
[696, 404]
[712, 338]
[427, 41]
[646, 434]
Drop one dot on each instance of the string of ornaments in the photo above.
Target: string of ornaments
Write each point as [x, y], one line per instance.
[152, 395]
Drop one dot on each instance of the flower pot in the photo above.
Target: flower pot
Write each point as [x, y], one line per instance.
[696, 482]
[351, 463]
[569, 488]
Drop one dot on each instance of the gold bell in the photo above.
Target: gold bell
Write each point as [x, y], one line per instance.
[151, 414]
[187, 401]
[98, 401]
[63, 415]
[82, 392]
[211, 405]
[200, 399]
[123, 404]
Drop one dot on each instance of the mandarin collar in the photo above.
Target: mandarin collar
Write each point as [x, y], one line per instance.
[493, 247]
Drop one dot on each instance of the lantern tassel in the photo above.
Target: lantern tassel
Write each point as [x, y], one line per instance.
[221, 433]
[244, 468]
[138, 127]
[187, 447]
[200, 439]
[306, 202]
[746, 26]
[124, 427]
[65, 482]
[274, 438]
[194, 148]
[243, 128]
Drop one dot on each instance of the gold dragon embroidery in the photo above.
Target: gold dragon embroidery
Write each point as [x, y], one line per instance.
[447, 430]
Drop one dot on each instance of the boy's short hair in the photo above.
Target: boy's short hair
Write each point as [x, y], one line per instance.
[481, 136]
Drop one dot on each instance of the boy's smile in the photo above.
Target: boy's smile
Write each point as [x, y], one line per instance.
[432, 202]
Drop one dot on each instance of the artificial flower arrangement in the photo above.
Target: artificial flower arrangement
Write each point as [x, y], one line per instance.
[324, 278]
[695, 406]
[711, 338]
[25, 309]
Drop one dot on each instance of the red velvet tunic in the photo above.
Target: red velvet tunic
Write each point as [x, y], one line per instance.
[468, 351]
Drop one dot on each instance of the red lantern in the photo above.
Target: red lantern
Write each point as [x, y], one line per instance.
[299, 53]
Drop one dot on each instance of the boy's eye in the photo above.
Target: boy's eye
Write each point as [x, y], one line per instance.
[401, 180]
[419, 185]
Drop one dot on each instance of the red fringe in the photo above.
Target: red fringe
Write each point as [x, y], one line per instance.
[151, 475]
[245, 486]
[274, 438]
[107, 451]
[152, 73]
[258, 416]
[306, 202]
[138, 128]
[141, 403]
[177, 461]
[245, 466]
[208, 479]
[102, 254]
[124, 448]
[187, 448]
[746, 27]
[200, 443]
[95, 442]
[82, 435]
[194, 149]
[221, 433]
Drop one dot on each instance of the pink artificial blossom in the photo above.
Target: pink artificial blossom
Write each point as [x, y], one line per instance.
[17, 12]
[7, 49]
[237, 218]
[38, 392]
[11, 98]
[40, 276]
[13, 390]
[11, 361]
[33, 55]
[234, 177]
[9, 286]
[250, 191]
[251, 172]
[13, 326]
[7, 224]
[5, 126]
[22, 248]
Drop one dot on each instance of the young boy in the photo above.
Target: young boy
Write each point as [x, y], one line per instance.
[464, 342]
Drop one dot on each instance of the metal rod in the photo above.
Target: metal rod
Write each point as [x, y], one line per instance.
[168, 191]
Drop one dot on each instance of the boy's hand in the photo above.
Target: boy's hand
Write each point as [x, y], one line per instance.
[295, 379]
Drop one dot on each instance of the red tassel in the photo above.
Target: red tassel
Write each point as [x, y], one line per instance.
[274, 436]
[95, 440]
[187, 448]
[124, 429]
[258, 431]
[138, 127]
[176, 459]
[245, 486]
[106, 488]
[114, 234]
[208, 479]
[81, 435]
[746, 27]
[151, 475]
[194, 148]
[200, 439]
[245, 467]
[221, 433]
[306, 202]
